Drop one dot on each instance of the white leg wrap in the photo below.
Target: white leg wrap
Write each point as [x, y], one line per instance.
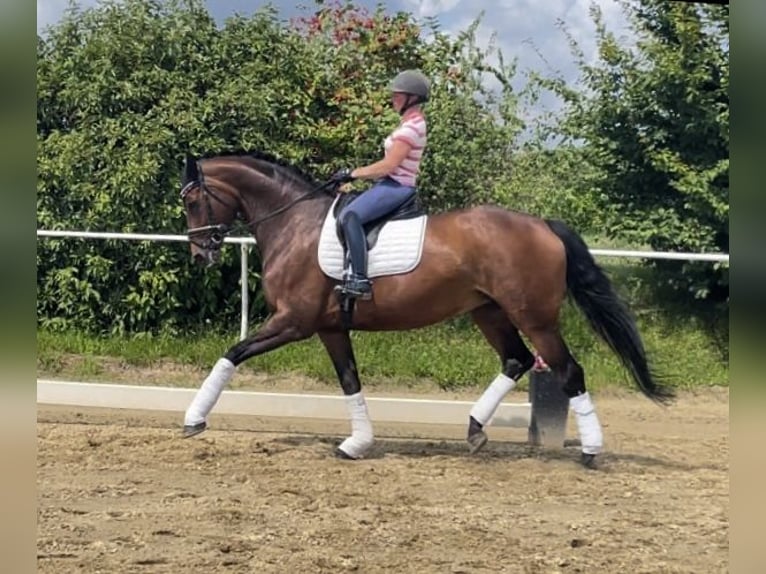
[361, 438]
[591, 436]
[208, 393]
[486, 406]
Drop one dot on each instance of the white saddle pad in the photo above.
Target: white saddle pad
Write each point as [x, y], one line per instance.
[397, 250]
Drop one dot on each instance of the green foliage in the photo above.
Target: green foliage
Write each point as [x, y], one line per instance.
[554, 183]
[115, 117]
[473, 124]
[452, 356]
[654, 121]
[127, 88]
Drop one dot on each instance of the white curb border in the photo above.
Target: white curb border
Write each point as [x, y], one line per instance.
[382, 409]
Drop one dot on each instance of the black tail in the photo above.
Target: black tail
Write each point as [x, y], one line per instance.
[606, 313]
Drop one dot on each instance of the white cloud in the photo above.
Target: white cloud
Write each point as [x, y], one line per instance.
[426, 8]
[528, 30]
[521, 24]
[50, 11]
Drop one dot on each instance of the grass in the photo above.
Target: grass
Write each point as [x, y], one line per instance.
[686, 340]
[453, 355]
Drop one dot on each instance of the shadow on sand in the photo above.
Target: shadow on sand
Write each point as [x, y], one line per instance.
[496, 451]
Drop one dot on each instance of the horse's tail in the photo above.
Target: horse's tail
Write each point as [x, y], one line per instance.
[607, 314]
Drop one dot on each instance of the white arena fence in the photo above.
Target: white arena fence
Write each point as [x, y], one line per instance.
[245, 242]
[77, 394]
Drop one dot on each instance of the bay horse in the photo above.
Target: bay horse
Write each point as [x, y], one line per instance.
[511, 271]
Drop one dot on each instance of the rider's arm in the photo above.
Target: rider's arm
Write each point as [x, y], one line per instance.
[395, 156]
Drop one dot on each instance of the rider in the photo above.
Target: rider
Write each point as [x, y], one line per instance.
[395, 175]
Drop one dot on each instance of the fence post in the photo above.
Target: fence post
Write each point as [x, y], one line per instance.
[549, 408]
[243, 253]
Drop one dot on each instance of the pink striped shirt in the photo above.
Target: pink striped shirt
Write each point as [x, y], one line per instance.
[412, 129]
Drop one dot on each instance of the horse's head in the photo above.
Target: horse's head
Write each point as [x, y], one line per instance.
[257, 188]
[210, 210]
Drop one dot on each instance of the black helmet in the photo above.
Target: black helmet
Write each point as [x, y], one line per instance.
[412, 82]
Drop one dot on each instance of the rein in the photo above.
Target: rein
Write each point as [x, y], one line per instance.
[256, 222]
[220, 230]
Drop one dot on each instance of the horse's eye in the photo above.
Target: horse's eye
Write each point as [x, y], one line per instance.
[193, 207]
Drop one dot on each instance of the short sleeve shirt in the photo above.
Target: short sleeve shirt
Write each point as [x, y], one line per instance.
[412, 129]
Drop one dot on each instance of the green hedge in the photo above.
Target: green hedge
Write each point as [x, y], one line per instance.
[126, 90]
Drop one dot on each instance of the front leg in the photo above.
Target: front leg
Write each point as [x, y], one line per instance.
[338, 345]
[277, 331]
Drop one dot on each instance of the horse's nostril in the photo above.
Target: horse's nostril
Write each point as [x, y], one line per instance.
[199, 259]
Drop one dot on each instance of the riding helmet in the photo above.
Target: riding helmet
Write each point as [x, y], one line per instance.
[412, 82]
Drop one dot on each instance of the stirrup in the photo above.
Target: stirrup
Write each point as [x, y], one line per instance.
[357, 287]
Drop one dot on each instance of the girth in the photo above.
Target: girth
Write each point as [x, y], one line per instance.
[408, 210]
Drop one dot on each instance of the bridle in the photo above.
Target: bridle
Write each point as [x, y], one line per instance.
[218, 231]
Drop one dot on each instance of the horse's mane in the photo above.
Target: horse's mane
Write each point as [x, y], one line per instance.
[279, 164]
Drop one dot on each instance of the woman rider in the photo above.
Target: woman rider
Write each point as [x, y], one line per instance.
[395, 176]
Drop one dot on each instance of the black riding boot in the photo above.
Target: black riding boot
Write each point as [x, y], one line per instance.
[357, 285]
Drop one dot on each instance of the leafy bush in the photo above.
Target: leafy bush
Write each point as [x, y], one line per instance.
[653, 122]
[126, 90]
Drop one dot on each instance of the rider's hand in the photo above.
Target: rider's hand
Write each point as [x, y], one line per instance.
[342, 175]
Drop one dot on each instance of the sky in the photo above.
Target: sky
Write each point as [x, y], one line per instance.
[524, 29]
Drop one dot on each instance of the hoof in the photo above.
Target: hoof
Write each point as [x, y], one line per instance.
[589, 461]
[476, 441]
[343, 455]
[191, 430]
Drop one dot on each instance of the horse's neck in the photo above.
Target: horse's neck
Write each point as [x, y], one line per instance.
[303, 219]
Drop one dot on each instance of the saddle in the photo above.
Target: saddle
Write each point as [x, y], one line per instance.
[410, 209]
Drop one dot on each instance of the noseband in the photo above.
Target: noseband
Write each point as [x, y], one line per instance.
[216, 231]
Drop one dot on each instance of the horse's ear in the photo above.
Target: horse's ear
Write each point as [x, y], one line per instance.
[191, 171]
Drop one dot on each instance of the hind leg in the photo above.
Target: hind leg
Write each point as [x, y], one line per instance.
[515, 358]
[566, 369]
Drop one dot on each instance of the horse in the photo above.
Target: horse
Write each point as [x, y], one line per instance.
[509, 270]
